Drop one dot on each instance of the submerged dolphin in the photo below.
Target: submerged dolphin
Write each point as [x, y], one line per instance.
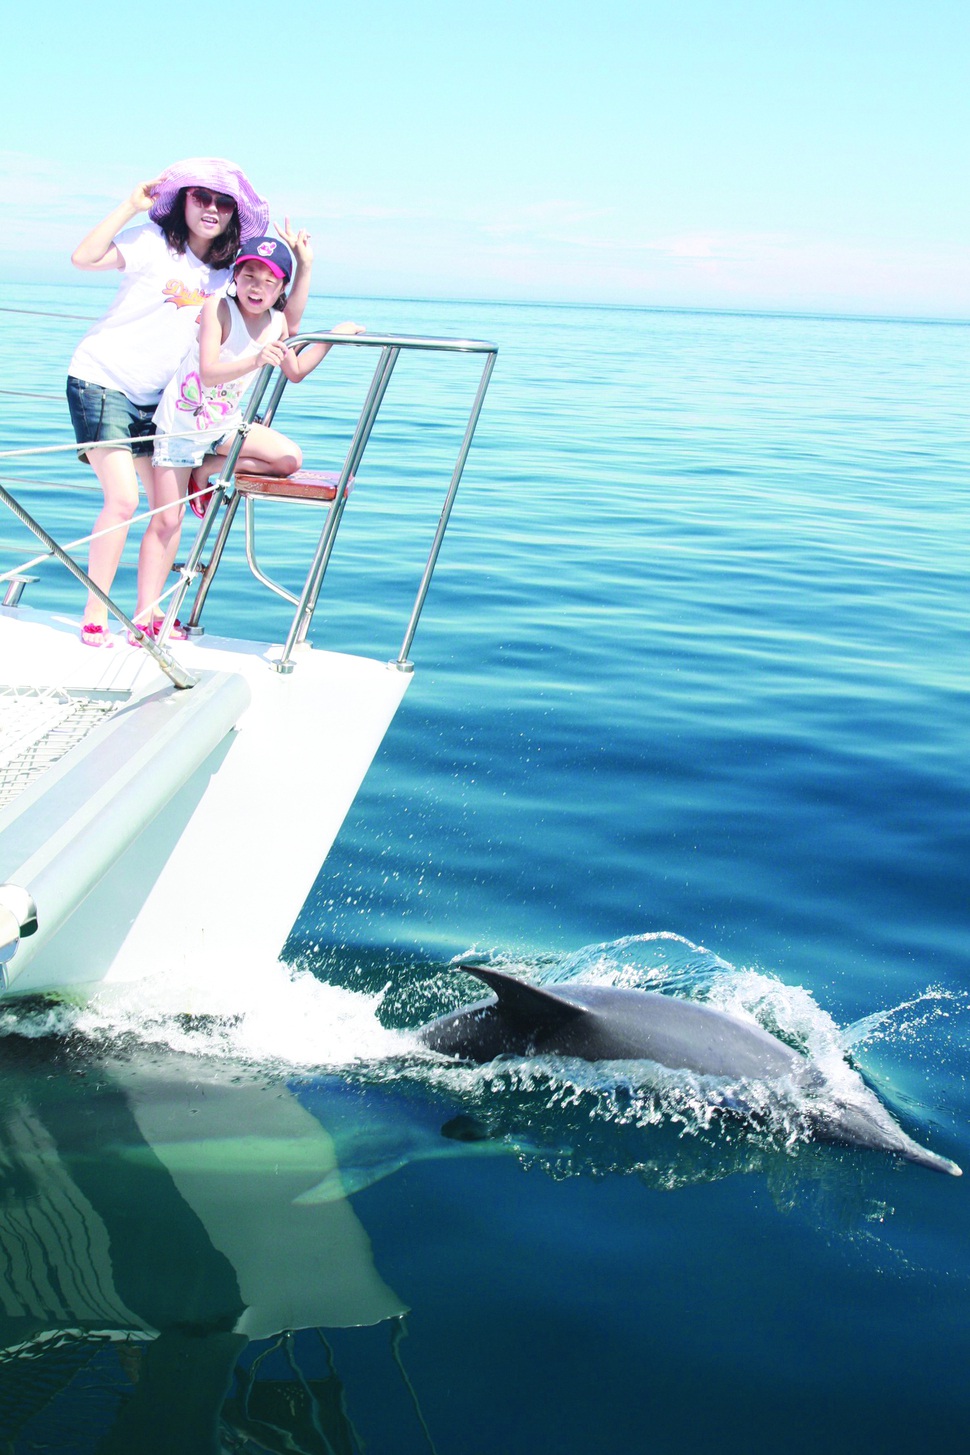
[357, 1161]
[601, 1023]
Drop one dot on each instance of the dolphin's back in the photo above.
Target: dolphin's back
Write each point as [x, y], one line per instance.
[682, 1035]
[601, 1023]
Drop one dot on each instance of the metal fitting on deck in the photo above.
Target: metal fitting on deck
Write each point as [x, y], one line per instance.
[18, 919]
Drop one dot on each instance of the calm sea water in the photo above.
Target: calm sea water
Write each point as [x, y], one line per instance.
[689, 713]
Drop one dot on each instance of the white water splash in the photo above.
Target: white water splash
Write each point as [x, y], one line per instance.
[282, 1017]
[903, 1022]
[279, 1017]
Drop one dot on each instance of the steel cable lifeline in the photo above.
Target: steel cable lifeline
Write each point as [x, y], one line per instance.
[176, 673]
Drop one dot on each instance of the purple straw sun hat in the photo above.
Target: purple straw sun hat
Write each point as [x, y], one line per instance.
[221, 176]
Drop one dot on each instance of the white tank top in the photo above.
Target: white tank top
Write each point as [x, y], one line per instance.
[186, 403]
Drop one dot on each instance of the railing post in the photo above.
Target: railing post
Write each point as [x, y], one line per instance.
[401, 663]
[314, 580]
[15, 589]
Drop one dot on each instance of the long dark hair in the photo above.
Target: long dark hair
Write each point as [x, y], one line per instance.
[222, 249]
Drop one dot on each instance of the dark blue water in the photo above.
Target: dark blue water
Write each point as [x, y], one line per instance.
[689, 713]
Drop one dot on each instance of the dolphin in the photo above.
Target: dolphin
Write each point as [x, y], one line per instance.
[358, 1160]
[378, 1130]
[603, 1023]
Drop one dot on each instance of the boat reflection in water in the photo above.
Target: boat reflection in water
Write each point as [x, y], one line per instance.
[151, 1230]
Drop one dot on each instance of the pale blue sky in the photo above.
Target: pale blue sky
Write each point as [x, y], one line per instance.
[725, 153]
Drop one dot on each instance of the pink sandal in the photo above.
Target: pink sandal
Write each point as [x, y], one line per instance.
[177, 634]
[153, 629]
[93, 634]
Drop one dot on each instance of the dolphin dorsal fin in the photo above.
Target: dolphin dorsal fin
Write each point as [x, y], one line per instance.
[539, 1009]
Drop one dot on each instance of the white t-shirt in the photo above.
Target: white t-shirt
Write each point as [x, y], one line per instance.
[154, 318]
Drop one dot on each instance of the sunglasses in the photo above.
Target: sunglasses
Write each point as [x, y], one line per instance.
[219, 200]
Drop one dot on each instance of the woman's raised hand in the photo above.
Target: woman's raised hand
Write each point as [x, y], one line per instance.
[97, 252]
[141, 198]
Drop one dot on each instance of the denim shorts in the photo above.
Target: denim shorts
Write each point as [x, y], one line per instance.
[181, 454]
[105, 414]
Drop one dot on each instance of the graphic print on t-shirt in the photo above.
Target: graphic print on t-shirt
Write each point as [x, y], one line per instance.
[208, 407]
[183, 297]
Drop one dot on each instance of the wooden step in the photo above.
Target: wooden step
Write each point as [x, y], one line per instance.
[303, 485]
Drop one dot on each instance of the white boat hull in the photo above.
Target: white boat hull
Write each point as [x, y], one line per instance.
[183, 855]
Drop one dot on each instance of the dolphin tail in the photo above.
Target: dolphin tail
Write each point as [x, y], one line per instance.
[457, 1141]
[343, 1182]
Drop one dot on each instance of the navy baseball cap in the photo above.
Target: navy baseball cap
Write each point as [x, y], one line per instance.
[272, 252]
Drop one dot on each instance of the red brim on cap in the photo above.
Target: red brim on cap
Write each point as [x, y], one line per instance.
[255, 258]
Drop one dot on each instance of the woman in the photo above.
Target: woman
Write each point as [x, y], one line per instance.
[199, 212]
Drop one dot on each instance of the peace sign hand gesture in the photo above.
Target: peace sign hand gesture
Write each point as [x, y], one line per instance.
[297, 242]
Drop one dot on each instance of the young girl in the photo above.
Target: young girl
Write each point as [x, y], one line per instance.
[238, 334]
[199, 211]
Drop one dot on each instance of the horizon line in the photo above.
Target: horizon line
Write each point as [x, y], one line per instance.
[820, 315]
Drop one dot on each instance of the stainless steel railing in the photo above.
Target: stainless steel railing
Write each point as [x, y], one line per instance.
[390, 348]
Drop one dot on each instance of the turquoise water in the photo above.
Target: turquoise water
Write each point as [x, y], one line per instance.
[689, 713]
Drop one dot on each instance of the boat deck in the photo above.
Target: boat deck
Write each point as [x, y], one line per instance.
[211, 807]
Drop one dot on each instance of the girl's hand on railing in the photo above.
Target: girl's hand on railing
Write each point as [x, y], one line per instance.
[348, 327]
[271, 353]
